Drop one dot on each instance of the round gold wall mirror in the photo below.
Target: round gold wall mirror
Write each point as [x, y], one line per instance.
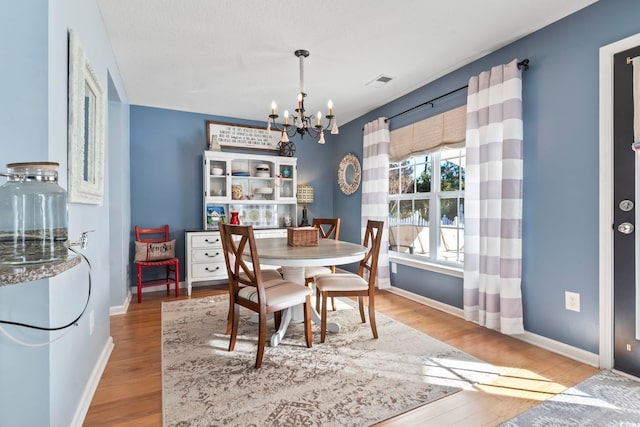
[349, 174]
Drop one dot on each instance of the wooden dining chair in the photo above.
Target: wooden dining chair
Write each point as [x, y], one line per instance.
[154, 249]
[268, 277]
[248, 288]
[359, 285]
[328, 228]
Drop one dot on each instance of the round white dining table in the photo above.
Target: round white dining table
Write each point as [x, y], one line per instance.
[293, 260]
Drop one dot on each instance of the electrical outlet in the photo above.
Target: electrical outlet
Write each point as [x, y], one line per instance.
[394, 268]
[572, 301]
[92, 322]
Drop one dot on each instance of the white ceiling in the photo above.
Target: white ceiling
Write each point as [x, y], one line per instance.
[234, 57]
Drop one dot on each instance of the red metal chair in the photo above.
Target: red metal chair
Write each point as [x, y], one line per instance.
[156, 235]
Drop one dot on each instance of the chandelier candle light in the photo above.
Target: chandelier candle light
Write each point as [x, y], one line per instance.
[304, 196]
[302, 124]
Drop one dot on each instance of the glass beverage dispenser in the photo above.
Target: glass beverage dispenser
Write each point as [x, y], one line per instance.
[33, 214]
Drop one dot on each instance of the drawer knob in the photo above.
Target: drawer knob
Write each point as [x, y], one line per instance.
[207, 268]
[216, 241]
[212, 256]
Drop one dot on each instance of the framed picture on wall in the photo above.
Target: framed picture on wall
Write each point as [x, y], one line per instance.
[215, 216]
[233, 135]
[86, 128]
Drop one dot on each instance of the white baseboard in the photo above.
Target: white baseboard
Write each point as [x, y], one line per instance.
[454, 311]
[121, 309]
[156, 288]
[183, 285]
[558, 347]
[92, 384]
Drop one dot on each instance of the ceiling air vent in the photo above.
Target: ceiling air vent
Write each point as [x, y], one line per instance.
[380, 81]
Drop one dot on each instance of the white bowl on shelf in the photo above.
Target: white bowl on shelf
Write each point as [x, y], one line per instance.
[216, 171]
[263, 190]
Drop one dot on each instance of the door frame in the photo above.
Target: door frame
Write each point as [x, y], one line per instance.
[605, 190]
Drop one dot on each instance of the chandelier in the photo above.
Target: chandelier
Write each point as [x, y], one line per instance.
[299, 122]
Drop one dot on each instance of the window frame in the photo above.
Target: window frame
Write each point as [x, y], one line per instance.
[435, 196]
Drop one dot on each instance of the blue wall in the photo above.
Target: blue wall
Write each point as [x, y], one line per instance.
[25, 84]
[166, 172]
[51, 385]
[119, 198]
[560, 224]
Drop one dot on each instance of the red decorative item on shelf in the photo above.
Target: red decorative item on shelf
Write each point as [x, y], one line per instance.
[234, 218]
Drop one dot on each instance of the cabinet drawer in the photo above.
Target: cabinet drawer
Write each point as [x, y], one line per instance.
[209, 270]
[206, 240]
[212, 254]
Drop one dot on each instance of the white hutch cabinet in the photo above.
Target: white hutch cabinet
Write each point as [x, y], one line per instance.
[261, 189]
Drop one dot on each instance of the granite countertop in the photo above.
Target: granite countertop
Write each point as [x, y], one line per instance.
[14, 274]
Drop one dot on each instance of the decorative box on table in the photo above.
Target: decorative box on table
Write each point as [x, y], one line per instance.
[302, 236]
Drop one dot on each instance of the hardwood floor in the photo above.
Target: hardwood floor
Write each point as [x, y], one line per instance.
[130, 391]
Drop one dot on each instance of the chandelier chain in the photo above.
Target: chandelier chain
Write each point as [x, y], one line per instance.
[301, 58]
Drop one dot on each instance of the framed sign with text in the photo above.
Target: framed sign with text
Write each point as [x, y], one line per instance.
[234, 135]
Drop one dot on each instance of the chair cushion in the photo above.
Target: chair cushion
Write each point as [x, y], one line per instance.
[270, 274]
[147, 251]
[340, 282]
[310, 272]
[278, 292]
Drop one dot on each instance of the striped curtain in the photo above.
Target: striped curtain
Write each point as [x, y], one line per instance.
[493, 200]
[375, 189]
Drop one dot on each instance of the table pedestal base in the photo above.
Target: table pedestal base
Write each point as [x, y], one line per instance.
[296, 314]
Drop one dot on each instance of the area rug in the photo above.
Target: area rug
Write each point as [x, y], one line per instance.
[350, 380]
[605, 399]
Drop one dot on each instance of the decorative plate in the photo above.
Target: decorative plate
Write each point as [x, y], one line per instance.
[254, 215]
[263, 190]
[347, 162]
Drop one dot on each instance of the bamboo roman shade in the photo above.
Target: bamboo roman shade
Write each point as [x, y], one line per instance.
[447, 129]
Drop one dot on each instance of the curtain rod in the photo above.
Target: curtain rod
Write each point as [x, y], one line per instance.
[522, 64]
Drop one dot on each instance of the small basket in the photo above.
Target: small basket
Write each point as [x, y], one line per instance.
[302, 236]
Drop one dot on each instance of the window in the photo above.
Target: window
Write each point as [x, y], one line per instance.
[426, 206]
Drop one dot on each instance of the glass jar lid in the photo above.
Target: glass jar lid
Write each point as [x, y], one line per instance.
[33, 171]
